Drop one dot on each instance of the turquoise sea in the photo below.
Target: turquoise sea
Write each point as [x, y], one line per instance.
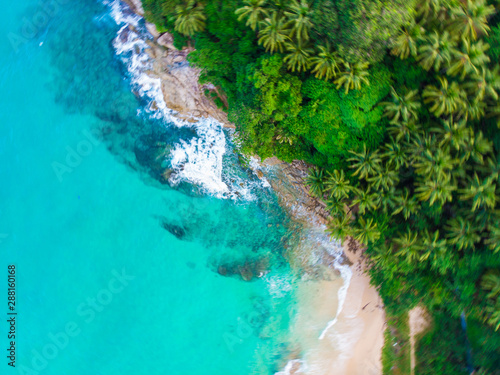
[119, 271]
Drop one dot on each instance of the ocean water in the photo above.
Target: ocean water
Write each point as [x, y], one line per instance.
[122, 268]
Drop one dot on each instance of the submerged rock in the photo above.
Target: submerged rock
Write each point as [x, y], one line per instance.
[247, 271]
[176, 230]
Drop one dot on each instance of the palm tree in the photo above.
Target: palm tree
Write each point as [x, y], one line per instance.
[435, 164]
[285, 136]
[491, 167]
[404, 130]
[428, 9]
[432, 245]
[335, 207]
[402, 106]
[436, 51]
[470, 19]
[337, 185]
[406, 42]
[477, 53]
[190, 18]
[352, 76]
[366, 163]
[340, 227]
[388, 199]
[448, 99]
[366, 231]
[299, 19]
[383, 256]
[254, 11]
[326, 63]
[453, 134]
[408, 247]
[468, 59]
[493, 310]
[385, 180]
[396, 155]
[298, 57]
[315, 181]
[461, 233]
[484, 84]
[482, 193]
[435, 190]
[491, 283]
[405, 204]
[478, 147]
[474, 109]
[366, 200]
[280, 6]
[493, 239]
[421, 146]
[273, 34]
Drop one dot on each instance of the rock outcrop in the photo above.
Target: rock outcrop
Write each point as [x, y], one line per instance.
[180, 85]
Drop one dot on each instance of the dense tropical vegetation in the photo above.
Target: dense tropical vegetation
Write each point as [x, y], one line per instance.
[396, 105]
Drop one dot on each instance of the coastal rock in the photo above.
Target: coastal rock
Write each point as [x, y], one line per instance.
[166, 40]
[152, 30]
[287, 180]
[136, 6]
[179, 81]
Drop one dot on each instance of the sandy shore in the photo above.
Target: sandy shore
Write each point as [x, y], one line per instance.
[353, 344]
[363, 307]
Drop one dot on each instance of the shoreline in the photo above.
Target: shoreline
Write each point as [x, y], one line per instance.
[351, 339]
[353, 344]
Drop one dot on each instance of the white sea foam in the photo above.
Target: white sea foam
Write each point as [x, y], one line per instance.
[334, 248]
[200, 159]
[318, 234]
[122, 14]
